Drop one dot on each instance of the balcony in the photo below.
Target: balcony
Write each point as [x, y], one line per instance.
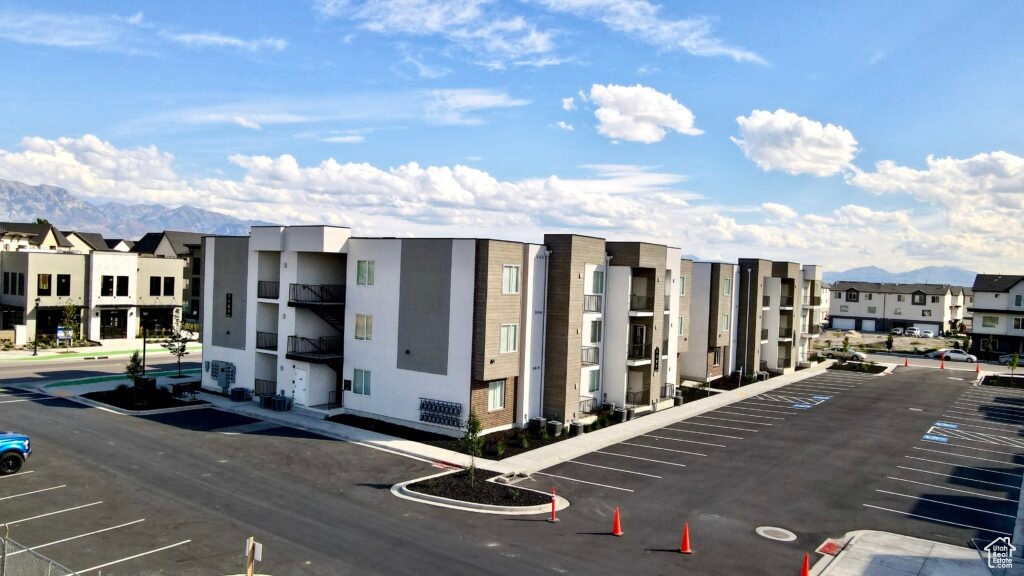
[785, 333]
[267, 289]
[590, 356]
[639, 352]
[265, 387]
[314, 294]
[266, 340]
[786, 302]
[668, 390]
[813, 330]
[591, 302]
[587, 406]
[319, 350]
[636, 398]
[785, 363]
[812, 301]
[668, 303]
[640, 303]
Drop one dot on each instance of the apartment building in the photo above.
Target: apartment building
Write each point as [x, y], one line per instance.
[185, 247]
[880, 307]
[422, 331]
[711, 325]
[998, 311]
[779, 312]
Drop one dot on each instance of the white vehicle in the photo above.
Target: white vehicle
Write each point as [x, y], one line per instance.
[957, 355]
[841, 354]
[912, 331]
[1007, 358]
[936, 353]
[897, 331]
[927, 334]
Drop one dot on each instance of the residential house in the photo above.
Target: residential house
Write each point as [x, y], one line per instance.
[711, 325]
[184, 246]
[880, 307]
[998, 310]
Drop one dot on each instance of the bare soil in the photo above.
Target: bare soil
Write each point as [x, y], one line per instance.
[875, 342]
[467, 488]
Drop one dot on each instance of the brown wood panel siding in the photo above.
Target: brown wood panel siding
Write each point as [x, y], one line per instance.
[720, 304]
[748, 337]
[492, 308]
[686, 271]
[715, 371]
[478, 403]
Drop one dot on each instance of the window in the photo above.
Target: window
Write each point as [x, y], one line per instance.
[43, 285]
[869, 296]
[872, 309]
[197, 266]
[168, 285]
[364, 327]
[496, 395]
[935, 299]
[727, 286]
[852, 296]
[682, 285]
[122, 285]
[21, 284]
[154, 285]
[839, 295]
[990, 321]
[63, 284]
[595, 381]
[107, 286]
[682, 325]
[7, 282]
[718, 357]
[227, 305]
[900, 297]
[509, 279]
[598, 287]
[596, 327]
[725, 322]
[898, 312]
[361, 382]
[926, 313]
[364, 273]
[509, 338]
[1018, 300]
[1018, 323]
[844, 308]
[917, 299]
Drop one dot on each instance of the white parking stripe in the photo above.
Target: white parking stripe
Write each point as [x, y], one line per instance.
[964, 419]
[938, 520]
[787, 410]
[639, 458]
[940, 487]
[987, 427]
[702, 433]
[665, 449]
[34, 492]
[17, 474]
[997, 419]
[734, 420]
[804, 390]
[747, 415]
[1001, 412]
[946, 503]
[52, 513]
[685, 440]
[79, 536]
[183, 542]
[965, 466]
[1017, 487]
[973, 448]
[687, 422]
[583, 481]
[610, 468]
[971, 457]
[2, 395]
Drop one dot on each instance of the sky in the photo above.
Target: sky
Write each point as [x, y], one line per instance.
[837, 133]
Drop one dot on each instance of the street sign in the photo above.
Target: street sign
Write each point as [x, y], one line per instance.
[63, 333]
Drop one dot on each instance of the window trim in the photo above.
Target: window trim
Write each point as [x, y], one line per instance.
[492, 385]
[44, 285]
[681, 319]
[365, 272]
[506, 276]
[168, 279]
[57, 285]
[594, 384]
[360, 378]
[503, 340]
[727, 286]
[599, 332]
[682, 285]
[726, 321]
[159, 285]
[594, 284]
[367, 327]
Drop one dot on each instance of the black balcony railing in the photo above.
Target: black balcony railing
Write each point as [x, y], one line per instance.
[784, 362]
[636, 397]
[591, 302]
[814, 329]
[766, 301]
[316, 293]
[668, 390]
[813, 301]
[762, 366]
[265, 387]
[266, 340]
[786, 301]
[590, 355]
[586, 406]
[268, 289]
[785, 332]
[764, 334]
[113, 332]
[639, 351]
[317, 348]
[639, 303]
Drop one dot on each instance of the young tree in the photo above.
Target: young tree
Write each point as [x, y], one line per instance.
[472, 443]
[967, 342]
[846, 344]
[1014, 361]
[889, 343]
[134, 370]
[177, 345]
[71, 320]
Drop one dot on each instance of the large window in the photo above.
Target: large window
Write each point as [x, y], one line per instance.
[990, 321]
[682, 325]
[1018, 300]
[917, 299]
[364, 327]
[509, 338]
[872, 309]
[926, 313]
[168, 285]
[727, 286]
[496, 395]
[1018, 323]
[154, 285]
[725, 322]
[852, 296]
[7, 282]
[509, 279]
[364, 273]
[717, 361]
[361, 382]
[935, 299]
[43, 287]
[107, 286]
[598, 286]
[63, 284]
[596, 327]
[122, 285]
[595, 381]
[682, 285]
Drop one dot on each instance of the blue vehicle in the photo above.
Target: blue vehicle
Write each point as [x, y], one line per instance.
[14, 450]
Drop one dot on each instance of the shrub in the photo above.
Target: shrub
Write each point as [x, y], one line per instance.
[524, 441]
[544, 434]
[500, 448]
[587, 428]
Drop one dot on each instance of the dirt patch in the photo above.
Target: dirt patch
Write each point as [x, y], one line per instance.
[128, 398]
[1004, 381]
[467, 488]
[875, 342]
[858, 367]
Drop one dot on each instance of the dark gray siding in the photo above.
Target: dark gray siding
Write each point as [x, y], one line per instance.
[424, 305]
[231, 267]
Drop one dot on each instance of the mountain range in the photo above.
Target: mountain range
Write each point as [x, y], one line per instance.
[21, 202]
[927, 275]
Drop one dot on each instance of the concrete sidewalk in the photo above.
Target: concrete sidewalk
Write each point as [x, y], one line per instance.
[871, 553]
[119, 348]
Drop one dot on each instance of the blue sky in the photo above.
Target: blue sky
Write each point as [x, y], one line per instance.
[799, 131]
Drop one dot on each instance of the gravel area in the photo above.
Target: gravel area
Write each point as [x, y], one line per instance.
[462, 486]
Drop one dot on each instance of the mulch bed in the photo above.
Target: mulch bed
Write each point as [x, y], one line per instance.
[1004, 381]
[858, 367]
[124, 397]
[462, 486]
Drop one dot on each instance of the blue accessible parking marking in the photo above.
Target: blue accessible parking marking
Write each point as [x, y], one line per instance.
[934, 438]
[802, 406]
[949, 425]
[821, 397]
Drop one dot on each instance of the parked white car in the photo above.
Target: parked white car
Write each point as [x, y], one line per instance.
[912, 331]
[841, 354]
[936, 353]
[927, 334]
[957, 355]
[897, 331]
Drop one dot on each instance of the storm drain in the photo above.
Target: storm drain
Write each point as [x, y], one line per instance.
[773, 533]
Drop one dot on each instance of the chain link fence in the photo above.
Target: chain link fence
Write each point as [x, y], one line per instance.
[19, 560]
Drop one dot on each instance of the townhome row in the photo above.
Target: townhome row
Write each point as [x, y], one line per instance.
[422, 331]
[880, 307]
[115, 292]
[998, 310]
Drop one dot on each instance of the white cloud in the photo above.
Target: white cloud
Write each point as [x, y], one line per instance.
[347, 139]
[643, 21]
[864, 216]
[780, 211]
[639, 114]
[69, 30]
[568, 104]
[784, 141]
[455, 106]
[564, 126]
[213, 39]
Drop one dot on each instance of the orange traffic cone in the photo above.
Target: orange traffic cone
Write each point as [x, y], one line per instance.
[977, 368]
[906, 361]
[942, 365]
[807, 565]
[617, 526]
[685, 546]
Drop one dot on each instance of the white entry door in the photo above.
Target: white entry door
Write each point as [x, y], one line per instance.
[299, 378]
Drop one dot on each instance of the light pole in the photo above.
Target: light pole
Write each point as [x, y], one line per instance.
[35, 340]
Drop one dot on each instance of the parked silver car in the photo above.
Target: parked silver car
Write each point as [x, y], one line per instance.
[841, 354]
[957, 355]
[912, 331]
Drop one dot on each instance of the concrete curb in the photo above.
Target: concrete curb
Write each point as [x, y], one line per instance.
[825, 564]
[402, 491]
[123, 412]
